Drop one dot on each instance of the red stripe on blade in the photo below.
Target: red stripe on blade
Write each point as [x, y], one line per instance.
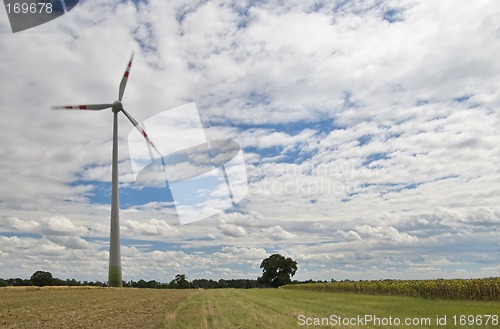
[82, 107]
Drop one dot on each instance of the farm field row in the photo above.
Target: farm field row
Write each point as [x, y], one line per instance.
[230, 308]
[487, 289]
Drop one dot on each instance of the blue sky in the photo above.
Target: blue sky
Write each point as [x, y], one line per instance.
[369, 131]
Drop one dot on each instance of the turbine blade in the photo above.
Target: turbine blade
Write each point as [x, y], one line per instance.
[148, 145]
[123, 83]
[141, 130]
[94, 107]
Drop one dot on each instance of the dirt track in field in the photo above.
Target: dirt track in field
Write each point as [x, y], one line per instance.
[88, 308]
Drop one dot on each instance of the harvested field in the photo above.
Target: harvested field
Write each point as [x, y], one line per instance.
[60, 307]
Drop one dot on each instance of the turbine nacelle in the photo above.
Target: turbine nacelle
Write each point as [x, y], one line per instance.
[117, 106]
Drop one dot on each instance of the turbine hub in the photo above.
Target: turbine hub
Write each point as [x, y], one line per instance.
[117, 106]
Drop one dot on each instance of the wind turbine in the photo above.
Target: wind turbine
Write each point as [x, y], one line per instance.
[115, 268]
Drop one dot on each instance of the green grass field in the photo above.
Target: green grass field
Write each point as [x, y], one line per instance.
[230, 308]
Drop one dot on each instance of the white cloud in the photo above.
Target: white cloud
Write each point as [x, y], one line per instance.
[56, 225]
[59, 225]
[349, 236]
[70, 242]
[277, 233]
[242, 254]
[151, 227]
[20, 225]
[232, 230]
[383, 234]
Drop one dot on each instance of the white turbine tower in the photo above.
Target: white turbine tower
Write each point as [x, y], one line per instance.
[115, 268]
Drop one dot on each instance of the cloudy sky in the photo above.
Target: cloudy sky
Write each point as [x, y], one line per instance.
[369, 128]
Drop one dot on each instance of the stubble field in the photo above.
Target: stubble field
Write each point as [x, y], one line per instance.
[226, 308]
[87, 308]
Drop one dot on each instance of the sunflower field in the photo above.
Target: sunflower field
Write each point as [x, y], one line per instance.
[487, 289]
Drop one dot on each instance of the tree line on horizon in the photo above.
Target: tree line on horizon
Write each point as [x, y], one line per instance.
[41, 279]
[276, 271]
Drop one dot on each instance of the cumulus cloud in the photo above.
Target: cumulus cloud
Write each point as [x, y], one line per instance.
[349, 236]
[13, 223]
[71, 242]
[277, 233]
[56, 225]
[151, 227]
[232, 230]
[382, 234]
[241, 254]
[59, 225]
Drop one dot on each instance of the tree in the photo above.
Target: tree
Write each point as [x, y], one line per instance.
[142, 284]
[41, 278]
[180, 282]
[223, 283]
[18, 282]
[153, 284]
[277, 270]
